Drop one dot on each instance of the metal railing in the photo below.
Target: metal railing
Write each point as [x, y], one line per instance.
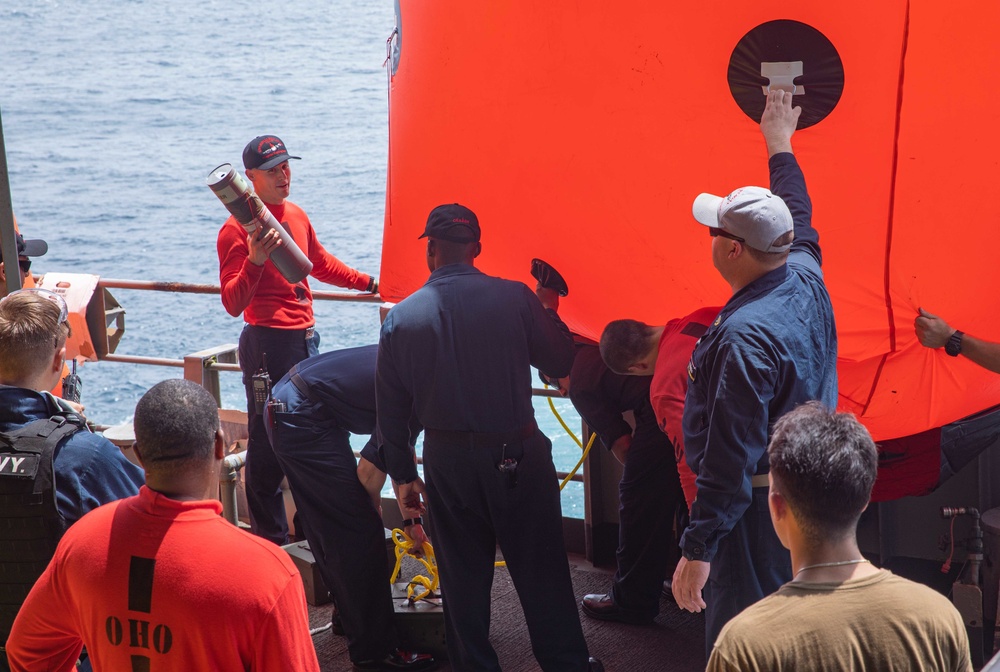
[594, 536]
[203, 367]
[191, 288]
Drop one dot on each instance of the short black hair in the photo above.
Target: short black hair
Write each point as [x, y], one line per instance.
[175, 424]
[824, 464]
[451, 252]
[625, 342]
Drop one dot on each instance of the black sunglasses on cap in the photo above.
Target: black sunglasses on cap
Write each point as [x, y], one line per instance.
[713, 231]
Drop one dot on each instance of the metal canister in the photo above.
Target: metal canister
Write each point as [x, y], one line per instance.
[243, 204]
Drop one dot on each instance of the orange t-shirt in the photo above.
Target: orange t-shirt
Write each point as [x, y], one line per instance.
[166, 585]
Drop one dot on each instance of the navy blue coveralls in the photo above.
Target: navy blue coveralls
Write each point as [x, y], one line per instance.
[328, 398]
[650, 489]
[281, 349]
[772, 348]
[457, 353]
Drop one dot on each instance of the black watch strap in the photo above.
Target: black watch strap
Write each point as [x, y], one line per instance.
[954, 345]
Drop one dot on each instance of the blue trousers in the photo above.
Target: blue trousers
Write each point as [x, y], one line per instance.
[649, 494]
[749, 565]
[472, 509]
[284, 348]
[342, 526]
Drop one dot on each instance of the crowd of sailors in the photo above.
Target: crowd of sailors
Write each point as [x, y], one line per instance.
[734, 423]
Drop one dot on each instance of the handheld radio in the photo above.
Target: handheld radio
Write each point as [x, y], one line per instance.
[72, 386]
[261, 383]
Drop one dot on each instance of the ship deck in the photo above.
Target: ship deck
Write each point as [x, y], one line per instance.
[674, 643]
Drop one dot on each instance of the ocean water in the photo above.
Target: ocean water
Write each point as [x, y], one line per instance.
[113, 115]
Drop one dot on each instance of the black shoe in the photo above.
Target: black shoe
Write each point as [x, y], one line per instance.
[604, 608]
[336, 627]
[668, 590]
[596, 665]
[398, 660]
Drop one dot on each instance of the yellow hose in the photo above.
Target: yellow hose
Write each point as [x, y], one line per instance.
[571, 474]
[586, 451]
[562, 422]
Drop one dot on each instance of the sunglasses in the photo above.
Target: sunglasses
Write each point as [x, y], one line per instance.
[715, 232]
[25, 265]
[45, 294]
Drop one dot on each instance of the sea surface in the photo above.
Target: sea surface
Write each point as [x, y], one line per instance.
[113, 115]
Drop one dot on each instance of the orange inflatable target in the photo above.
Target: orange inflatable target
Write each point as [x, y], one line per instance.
[580, 133]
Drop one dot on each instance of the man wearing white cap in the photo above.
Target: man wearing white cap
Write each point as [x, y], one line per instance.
[773, 347]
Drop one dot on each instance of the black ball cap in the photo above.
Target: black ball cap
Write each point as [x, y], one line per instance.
[30, 248]
[548, 277]
[452, 222]
[265, 152]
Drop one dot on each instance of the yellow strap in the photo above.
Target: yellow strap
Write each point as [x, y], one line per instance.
[404, 546]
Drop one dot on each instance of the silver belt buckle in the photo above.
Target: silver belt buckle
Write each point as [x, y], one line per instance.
[310, 332]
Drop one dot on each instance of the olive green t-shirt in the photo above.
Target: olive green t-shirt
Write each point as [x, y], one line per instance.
[879, 622]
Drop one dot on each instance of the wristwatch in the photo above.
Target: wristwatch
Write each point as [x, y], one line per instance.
[954, 345]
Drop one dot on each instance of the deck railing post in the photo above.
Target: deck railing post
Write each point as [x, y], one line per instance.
[228, 478]
[602, 474]
[7, 235]
[197, 367]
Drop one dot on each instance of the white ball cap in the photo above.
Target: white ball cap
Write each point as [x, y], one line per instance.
[751, 213]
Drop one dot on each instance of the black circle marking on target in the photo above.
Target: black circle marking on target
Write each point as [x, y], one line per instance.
[785, 41]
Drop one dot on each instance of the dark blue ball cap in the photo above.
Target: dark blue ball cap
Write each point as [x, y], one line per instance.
[452, 222]
[30, 248]
[265, 152]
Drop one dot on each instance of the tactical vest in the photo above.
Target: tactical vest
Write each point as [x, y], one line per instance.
[30, 524]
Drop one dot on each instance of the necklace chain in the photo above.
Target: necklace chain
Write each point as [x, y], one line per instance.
[839, 563]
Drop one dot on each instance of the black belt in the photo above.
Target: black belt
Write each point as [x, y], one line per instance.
[307, 332]
[490, 438]
[301, 385]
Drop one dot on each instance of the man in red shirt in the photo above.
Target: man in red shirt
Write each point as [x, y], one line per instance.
[633, 348]
[160, 581]
[278, 314]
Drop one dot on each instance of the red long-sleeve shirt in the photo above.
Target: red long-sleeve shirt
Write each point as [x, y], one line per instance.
[670, 381]
[261, 293]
